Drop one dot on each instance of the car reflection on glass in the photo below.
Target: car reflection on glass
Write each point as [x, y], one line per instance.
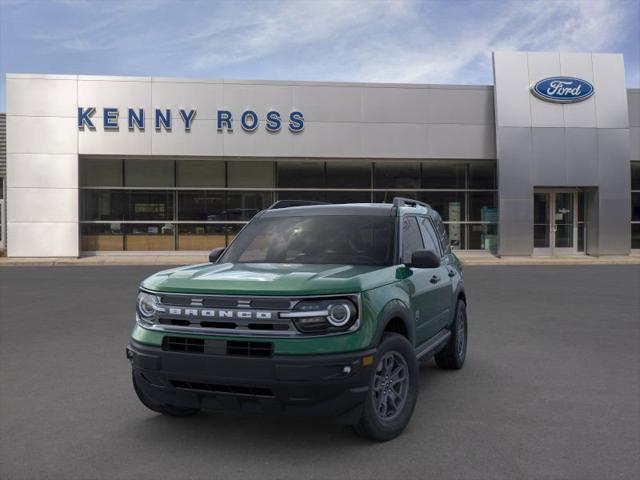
[234, 214]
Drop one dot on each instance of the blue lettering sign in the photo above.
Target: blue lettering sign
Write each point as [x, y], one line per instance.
[562, 89]
[187, 118]
[296, 122]
[225, 119]
[274, 123]
[249, 121]
[163, 120]
[110, 118]
[136, 120]
[84, 117]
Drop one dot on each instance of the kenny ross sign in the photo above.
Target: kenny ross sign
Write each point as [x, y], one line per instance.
[562, 89]
[162, 119]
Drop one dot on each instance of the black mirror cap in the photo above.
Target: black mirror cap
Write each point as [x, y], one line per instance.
[425, 259]
[215, 254]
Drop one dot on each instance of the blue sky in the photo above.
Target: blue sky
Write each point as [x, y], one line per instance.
[439, 41]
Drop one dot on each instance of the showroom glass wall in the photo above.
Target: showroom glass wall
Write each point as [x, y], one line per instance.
[197, 204]
[635, 205]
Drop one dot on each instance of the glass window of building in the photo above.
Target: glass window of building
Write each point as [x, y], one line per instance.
[635, 205]
[450, 205]
[149, 173]
[482, 237]
[348, 197]
[101, 172]
[200, 174]
[395, 175]
[150, 205]
[246, 174]
[442, 175]
[103, 205]
[352, 174]
[635, 175]
[296, 174]
[201, 205]
[197, 204]
[482, 175]
[310, 195]
[482, 207]
[242, 206]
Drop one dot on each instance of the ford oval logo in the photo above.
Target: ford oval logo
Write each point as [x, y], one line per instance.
[562, 89]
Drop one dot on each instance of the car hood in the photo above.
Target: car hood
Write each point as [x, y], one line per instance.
[270, 279]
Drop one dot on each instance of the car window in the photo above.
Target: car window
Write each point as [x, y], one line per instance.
[444, 237]
[431, 241]
[315, 239]
[411, 238]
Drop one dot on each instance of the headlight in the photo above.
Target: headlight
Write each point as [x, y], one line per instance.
[146, 307]
[323, 316]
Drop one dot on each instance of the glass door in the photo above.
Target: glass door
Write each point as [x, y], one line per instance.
[564, 223]
[554, 222]
[541, 223]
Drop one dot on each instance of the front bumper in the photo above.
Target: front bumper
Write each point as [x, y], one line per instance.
[321, 385]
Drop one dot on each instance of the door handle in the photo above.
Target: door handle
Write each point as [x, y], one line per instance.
[452, 272]
[434, 279]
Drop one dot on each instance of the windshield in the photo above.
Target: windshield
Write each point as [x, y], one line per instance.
[318, 239]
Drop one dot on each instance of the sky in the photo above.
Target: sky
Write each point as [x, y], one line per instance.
[403, 41]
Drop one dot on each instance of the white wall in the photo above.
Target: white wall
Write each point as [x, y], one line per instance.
[42, 166]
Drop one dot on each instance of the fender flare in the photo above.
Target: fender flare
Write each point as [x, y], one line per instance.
[395, 309]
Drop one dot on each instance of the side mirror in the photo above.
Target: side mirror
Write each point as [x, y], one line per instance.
[215, 254]
[424, 259]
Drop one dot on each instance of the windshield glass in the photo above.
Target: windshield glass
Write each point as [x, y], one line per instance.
[318, 239]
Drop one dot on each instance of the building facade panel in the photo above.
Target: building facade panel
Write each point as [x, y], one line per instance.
[581, 114]
[42, 239]
[42, 97]
[39, 170]
[611, 99]
[557, 151]
[544, 114]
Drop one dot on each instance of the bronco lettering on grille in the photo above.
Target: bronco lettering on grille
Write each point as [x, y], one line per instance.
[216, 313]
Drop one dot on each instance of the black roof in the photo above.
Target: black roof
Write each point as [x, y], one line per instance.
[374, 209]
[377, 209]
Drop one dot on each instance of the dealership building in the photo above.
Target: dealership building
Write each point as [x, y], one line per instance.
[546, 161]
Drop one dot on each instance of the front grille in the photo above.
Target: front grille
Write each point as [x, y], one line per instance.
[227, 302]
[183, 344]
[229, 389]
[210, 314]
[249, 349]
[217, 347]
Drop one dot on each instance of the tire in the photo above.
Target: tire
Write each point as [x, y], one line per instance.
[386, 415]
[169, 410]
[452, 356]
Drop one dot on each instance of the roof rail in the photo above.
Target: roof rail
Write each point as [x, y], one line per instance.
[294, 203]
[408, 202]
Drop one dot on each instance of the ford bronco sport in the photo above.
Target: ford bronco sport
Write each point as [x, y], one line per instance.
[320, 310]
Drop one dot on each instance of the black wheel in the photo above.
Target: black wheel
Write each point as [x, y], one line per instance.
[170, 410]
[393, 390]
[452, 356]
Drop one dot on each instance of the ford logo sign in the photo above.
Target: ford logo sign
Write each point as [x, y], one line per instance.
[562, 89]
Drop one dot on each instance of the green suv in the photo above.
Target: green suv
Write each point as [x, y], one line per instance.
[318, 309]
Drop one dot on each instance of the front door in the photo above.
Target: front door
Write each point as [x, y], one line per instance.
[555, 226]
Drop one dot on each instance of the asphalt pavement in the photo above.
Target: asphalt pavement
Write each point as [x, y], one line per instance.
[550, 390]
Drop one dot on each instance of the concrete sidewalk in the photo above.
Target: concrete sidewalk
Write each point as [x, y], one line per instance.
[467, 259]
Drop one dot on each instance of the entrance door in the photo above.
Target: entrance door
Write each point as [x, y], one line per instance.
[555, 226]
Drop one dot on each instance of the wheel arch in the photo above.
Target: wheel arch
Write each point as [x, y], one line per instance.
[396, 317]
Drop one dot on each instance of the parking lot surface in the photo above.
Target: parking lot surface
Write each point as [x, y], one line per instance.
[550, 390]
